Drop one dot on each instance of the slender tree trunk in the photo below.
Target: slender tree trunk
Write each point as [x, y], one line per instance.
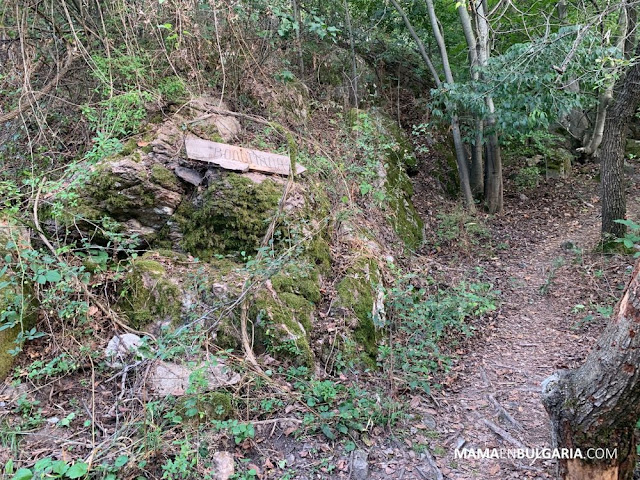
[476, 179]
[298, 19]
[461, 156]
[606, 95]
[619, 114]
[477, 161]
[493, 187]
[597, 405]
[354, 63]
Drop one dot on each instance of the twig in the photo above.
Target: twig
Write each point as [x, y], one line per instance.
[432, 463]
[35, 96]
[503, 433]
[503, 414]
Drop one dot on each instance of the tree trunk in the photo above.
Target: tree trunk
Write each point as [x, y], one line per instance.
[354, 64]
[461, 156]
[597, 405]
[477, 164]
[476, 177]
[493, 187]
[619, 114]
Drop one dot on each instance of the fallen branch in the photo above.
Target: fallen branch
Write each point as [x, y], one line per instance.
[503, 434]
[503, 414]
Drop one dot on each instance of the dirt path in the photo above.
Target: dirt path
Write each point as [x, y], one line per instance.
[499, 384]
[493, 397]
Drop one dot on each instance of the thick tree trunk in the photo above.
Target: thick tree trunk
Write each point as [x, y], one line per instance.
[619, 114]
[597, 405]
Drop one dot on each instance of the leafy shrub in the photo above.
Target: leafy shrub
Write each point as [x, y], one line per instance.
[527, 177]
[420, 320]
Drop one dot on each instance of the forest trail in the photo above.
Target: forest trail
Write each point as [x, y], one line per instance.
[492, 397]
[499, 384]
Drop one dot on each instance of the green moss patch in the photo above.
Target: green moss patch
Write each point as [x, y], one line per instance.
[164, 177]
[284, 324]
[356, 292]
[231, 217]
[147, 294]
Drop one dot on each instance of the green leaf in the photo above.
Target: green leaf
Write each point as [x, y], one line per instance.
[53, 276]
[23, 474]
[121, 461]
[78, 470]
[327, 432]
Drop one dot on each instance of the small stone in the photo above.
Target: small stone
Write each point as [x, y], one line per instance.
[122, 347]
[359, 465]
[523, 197]
[429, 422]
[291, 460]
[168, 378]
[189, 175]
[224, 467]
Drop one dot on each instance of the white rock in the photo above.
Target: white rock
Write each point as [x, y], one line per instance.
[168, 378]
[122, 348]
[359, 465]
[224, 467]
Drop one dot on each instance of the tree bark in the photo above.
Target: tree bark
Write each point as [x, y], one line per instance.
[619, 114]
[461, 155]
[493, 187]
[597, 405]
[354, 63]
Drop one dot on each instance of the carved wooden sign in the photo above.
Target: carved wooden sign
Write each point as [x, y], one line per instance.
[239, 159]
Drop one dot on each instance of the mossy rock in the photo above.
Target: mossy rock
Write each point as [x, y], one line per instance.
[161, 175]
[305, 284]
[284, 323]
[559, 162]
[148, 294]
[17, 299]
[231, 217]
[357, 292]
[319, 252]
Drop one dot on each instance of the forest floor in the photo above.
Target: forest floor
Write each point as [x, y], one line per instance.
[556, 291]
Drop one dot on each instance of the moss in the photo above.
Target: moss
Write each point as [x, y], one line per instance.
[405, 219]
[116, 197]
[16, 296]
[306, 285]
[129, 147]
[356, 292]
[231, 217]
[284, 326]
[319, 252]
[148, 294]
[164, 177]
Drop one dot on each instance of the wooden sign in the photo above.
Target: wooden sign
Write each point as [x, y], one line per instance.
[238, 159]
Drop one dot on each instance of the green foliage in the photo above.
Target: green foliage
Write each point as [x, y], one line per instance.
[420, 320]
[527, 177]
[631, 237]
[458, 227]
[50, 468]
